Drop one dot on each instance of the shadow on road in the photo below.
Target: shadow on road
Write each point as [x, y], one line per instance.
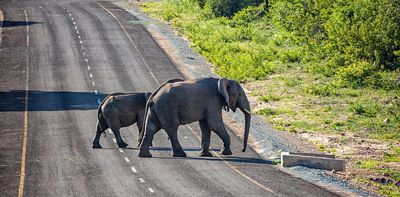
[18, 23]
[167, 149]
[49, 101]
[234, 159]
[224, 158]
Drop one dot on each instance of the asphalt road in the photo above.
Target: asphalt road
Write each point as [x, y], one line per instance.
[57, 60]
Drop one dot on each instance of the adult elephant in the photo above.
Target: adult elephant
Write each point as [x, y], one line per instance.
[202, 100]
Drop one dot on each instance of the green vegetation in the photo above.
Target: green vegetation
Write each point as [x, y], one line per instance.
[325, 66]
[326, 63]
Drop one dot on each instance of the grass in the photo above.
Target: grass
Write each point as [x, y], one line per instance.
[299, 93]
[378, 167]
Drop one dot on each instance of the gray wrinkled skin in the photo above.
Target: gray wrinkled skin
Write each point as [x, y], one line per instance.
[184, 102]
[120, 110]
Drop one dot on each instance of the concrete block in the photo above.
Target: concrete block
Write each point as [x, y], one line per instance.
[318, 162]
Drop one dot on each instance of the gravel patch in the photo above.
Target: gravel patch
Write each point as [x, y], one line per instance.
[322, 178]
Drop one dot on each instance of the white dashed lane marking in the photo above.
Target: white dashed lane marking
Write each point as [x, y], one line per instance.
[133, 169]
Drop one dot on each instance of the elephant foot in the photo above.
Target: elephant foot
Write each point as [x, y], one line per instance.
[145, 154]
[206, 153]
[151, 144]
[226, 151]
[122, 145]
[179, 154]
[96, 145]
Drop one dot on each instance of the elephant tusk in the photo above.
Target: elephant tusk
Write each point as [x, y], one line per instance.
[247, 111]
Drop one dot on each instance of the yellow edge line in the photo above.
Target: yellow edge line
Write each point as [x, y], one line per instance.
[144, 61]
[134, 45]
[233, 168]
[25, 140]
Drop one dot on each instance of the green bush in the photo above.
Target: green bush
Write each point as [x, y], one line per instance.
[366, 108]
[247, 15]
[344, 32]
[354, 74]
[267, 112]
[321, 90]
[229, 7]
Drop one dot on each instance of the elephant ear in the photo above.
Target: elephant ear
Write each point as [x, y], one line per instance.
[223, 90]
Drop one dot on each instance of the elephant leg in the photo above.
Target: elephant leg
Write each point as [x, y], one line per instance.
[205, 139]
[220, 130]
[150, 130]
[139, 124]
[96, 140]
[176, 146]
[120, 142]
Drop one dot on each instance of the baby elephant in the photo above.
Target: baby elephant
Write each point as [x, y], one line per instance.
[120, 110]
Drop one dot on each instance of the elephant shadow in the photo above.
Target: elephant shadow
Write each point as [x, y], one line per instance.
[234, 159]
[168, 149]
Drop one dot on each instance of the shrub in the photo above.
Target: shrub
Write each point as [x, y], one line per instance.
[344, 32]
[354, 74]
[366, 29]
[366, 108]
[321, 90]
[266, 112]
[247, 15]
[228, 8]
[269, 98]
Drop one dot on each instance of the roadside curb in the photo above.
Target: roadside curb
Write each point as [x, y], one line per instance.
[318, 161]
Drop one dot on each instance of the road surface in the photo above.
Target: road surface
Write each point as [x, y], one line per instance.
[58, 60]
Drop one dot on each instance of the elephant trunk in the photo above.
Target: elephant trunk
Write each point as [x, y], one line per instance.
[246, 130]
[245, 108]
